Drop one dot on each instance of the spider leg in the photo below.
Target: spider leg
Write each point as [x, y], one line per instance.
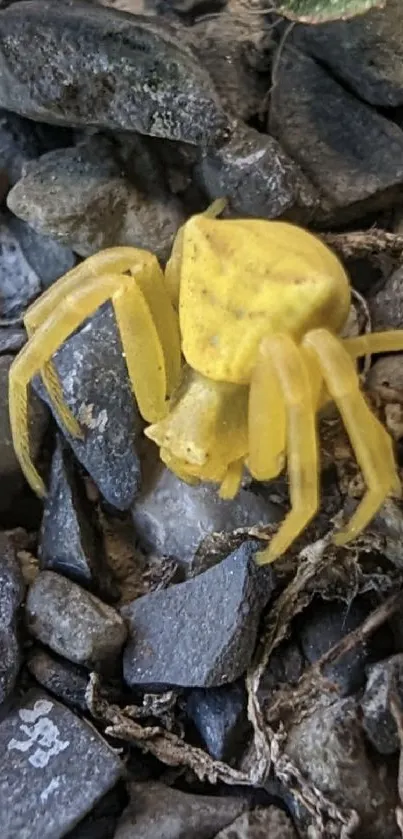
[141, 344]
[376, 342]
[371, 442]
[232, 480]
[285, 367]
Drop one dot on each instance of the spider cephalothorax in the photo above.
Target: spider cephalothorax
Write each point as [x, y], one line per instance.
[231, 354]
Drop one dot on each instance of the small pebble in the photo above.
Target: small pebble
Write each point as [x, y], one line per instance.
[200, 633]
[262, 823]
[66, 681]
[385, 680]
[47, 258]
[74, 623]
[11, 594]
[19, 284]
[220, 717]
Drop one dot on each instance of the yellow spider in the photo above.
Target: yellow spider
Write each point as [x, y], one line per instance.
[231, 354]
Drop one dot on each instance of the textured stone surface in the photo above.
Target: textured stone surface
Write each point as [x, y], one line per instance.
[84, 65]
[74, 623]
[66, 681]
[159, 812]
[352, 154]
[47, 258]
[220, 717]
[385, 680]
[11, 594]
[386, 304]
[70, 541]
[54, 768]
[19, 284]
[202, 632]
[94, 377]
[81, 197]
[262, 823]
[22, 140]
[172, 517]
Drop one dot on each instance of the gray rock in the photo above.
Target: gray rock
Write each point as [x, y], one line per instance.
[12, 338]
[47, 258]
[99, 67]
[262, 823]
[101, 822]
[352, 154]
[70, 541]
[220, 717]
[81, 197]
[200, 633]
[172, 517]
[257, 177]
[156, 811]
[54, 768]
[96, 387]
[74, 623]
[285, 667]
[66, 681]
[11, 594]
[386, 304]
[384, 681]
[329, 748]
[19, 284]
[365, 52]
[22, 140]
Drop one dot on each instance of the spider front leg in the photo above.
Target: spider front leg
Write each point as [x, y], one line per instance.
[371, 443]
[138, 316]
[282, 372]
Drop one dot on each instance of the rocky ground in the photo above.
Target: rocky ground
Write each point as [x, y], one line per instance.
[154, 681]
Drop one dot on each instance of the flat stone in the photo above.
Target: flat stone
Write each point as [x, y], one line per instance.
[93, 66]
[19, 284]
[172, 518]
[200, 633]
[11, 594]
[74, 623]
[257, 177]
[66, 681]
[70, 541]
[59, 762]
[156, 811]
[352, 154]
[366, 52]
[81, 197]
[262, 823]
[385, 680]
[96, 387]
[220, 717]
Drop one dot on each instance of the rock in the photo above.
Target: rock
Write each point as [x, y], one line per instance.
[220, 717]
[66, 681]
[262, 823]
[200, 633]
[96, 387]
[285, 667]
[19, 284]
[61, 764]
[11, 594]
[352, 154]
[70, 541]
[366, 53]
[74, 623]
[172, 518]
[156, 811]
[328, 747]
[47, 258]
[257, 177]
[12, 338]
[99, 67]
[22, 140]
[81, 197]
[384, 681]
[323, 625]
[386, 304]
[101, 822]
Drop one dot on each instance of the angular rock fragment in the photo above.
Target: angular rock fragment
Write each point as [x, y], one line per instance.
[54, 768]
[220, 717]
[352, 154]
[74, 623]
[11, 594]
[157, 811]
[66, 681]
[89, 65]
[262, 823]
[81, 197]
[19, 284]
[48, 259]
[202, 632]
[385, 682]
[386, 303]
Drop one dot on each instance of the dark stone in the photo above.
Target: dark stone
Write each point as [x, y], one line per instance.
[94, 377]
[19, 284]
[385, 680]
[261, 823]
[386, 304]
[12, 338]
[81, 197]
[54, 768]
[70, 541]
[47, 258]
[82, 65]
[101, 822]
[366, 52]
[11, 594]
[156, 811]
[257, 177]
[74, 623]
[200, 633]
[22, 140]
[352, 154]
[285, 668]
[220, 717]
[66, 681]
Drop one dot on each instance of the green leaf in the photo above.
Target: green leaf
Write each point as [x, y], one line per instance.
[319, 11]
